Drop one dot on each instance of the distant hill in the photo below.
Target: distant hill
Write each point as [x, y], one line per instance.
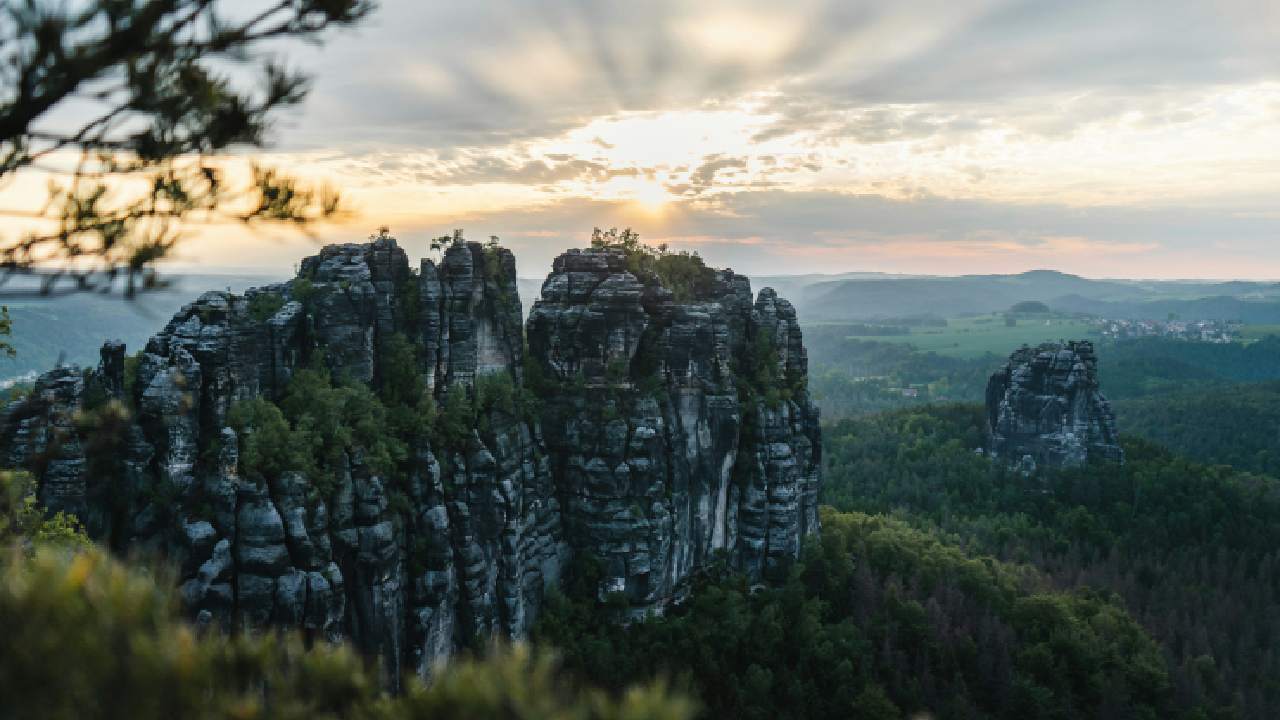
[794, 286]
[1030, 307]
[1220, 307]
[867, 297]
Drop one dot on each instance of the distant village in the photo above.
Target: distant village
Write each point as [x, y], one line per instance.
[1212, 331]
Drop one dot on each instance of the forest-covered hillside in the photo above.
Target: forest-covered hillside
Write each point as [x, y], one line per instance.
[853, 376]
[943, 583]
[880, 620]
[1232, 424]
[1189, 549]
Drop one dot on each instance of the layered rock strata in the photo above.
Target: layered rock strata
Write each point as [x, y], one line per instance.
[1044, 409]
[459, 544]
[678, 431]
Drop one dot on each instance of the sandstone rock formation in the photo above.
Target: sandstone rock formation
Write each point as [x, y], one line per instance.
[1044, 409]
[677, 430]
[445, 524]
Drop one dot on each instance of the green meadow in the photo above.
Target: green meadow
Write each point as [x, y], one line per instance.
[973, 337]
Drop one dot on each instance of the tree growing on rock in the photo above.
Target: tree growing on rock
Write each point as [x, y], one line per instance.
[683, 273]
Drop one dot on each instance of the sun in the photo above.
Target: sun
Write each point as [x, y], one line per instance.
[650, 196]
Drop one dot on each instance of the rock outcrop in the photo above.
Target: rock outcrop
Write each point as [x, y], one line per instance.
[674, 431]
[458, 543]
[677, 430]
[1044, 409]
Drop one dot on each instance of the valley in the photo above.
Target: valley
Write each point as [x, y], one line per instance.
[931, 579]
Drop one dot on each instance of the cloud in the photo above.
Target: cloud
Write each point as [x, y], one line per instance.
[703, 177]
[494, 71]
[1020, 48]
[775, 231]
[478, 168]
[1091, 101]
[823, 135]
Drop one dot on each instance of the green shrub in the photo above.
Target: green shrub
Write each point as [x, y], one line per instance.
[23, 521]
[302, 290]
[333, 419]
[87, 637]
[495, 392]
[263, 305]
[508, 298]
[268, 446]
[456, 418]
[408, 301]
[400, 381]
[761, 376]
[131, 363]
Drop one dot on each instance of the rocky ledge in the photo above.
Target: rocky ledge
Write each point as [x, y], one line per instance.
[358, 454]
[1044, 409]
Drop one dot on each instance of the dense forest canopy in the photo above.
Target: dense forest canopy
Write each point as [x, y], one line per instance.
[944, 583]
[880, 620]
[1235, 424]
[1190, 549]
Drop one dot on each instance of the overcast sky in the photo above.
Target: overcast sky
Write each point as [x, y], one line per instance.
[1102, 137]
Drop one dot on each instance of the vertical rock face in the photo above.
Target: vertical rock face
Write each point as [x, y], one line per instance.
[667, 445]
[674, 431]
[1044, 409]
[458, 543]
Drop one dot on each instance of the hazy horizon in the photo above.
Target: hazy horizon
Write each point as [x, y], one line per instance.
[285, 271]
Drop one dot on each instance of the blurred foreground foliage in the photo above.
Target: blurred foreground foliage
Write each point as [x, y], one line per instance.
[87, 636]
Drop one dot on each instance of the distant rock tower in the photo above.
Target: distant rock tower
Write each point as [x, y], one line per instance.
[1044, 409]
